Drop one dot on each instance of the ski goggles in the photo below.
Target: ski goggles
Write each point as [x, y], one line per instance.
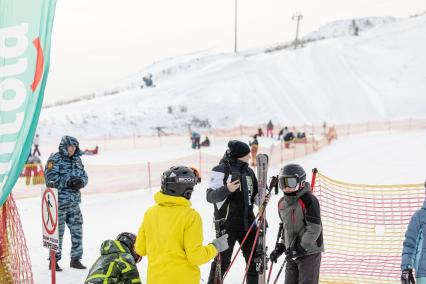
[288, 181]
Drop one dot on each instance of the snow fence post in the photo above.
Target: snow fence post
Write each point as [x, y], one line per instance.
[314, 176]
[199, 160]
[53, 265]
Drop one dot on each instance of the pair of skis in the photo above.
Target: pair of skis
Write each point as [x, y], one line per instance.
[261, 257]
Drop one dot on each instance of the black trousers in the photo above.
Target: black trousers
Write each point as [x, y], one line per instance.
[233, 237]
[36, 150]
[303, 270]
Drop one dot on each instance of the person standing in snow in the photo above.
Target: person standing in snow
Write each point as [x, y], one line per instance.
[232, 190]
[269, 129]
[171, 234]
[413, 257]
[254, 146]
[36, 143]
[301, 238]
[65, 171]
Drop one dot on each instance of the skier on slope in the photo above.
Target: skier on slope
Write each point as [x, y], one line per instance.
[232, 189]
[412, 253]
[254, 146]
[301, 239]
[171, 234]
[117, 263]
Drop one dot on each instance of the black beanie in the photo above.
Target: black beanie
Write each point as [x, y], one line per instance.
[238, 149]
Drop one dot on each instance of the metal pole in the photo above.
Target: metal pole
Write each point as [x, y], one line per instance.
[53, 265]
[298, 17]
[235, 27]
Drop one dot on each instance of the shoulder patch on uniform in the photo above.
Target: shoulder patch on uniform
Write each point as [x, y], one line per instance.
[50, 165]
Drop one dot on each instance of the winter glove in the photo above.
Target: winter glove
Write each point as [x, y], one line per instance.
[407, 277]
[277, 252]
[75, 183]
[221, 243]
[295, 252]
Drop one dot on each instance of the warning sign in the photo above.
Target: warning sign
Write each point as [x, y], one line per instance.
[49, 214]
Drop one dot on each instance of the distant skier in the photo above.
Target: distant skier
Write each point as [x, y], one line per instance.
[195, 138]
[148, 81]
[412, 254]
[171, 234]
[36, 143]
[91, 152]
[283, 132]
[254, 146]
[269, 129]
[206, 142]
[232, 190]
[117, 263]
[301, 239]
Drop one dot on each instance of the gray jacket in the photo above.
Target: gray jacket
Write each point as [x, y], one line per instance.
[301, 218]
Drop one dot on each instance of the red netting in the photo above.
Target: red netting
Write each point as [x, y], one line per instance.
[15, 265]
[364, 227]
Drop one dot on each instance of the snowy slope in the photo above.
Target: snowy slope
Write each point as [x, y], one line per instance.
[400, 160]
[346, 27]
[379, 75]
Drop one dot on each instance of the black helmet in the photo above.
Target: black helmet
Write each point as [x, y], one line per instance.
[128, 239]
[179, 181]
[291, 175]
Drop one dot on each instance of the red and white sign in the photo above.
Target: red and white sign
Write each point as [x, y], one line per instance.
[49, 214]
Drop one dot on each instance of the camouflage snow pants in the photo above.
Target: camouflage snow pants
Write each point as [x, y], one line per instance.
[74, 220]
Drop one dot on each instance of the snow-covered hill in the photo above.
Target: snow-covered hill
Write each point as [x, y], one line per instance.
[347, 27]
[379, 75]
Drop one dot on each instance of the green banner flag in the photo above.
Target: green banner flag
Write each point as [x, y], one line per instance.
[25, 31]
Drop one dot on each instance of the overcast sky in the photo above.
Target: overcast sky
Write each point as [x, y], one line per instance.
[97, 42]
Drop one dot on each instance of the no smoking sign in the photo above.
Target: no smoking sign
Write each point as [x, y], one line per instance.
[49, 214]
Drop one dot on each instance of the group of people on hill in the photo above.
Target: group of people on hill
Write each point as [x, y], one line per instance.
[171, 234]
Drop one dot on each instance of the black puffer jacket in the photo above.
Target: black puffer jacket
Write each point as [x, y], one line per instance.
[235, 208]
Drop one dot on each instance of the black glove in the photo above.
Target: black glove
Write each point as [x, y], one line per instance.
[407, 277]
[75, 183]
[277, 252]
[295, 252]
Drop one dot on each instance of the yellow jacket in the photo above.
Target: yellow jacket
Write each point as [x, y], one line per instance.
[171, 235]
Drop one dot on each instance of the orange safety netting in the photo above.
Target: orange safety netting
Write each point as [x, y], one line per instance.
[15, 265]
[364, 227]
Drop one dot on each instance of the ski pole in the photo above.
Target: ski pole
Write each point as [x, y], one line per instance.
[279, 271]
[262, 207]
[270, 272]
[280, 230]
[241, 245]
[256, 219]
